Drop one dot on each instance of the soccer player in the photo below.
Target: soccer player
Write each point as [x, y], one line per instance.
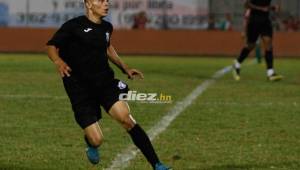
[258, 45]
[259, 25]
[81, 49]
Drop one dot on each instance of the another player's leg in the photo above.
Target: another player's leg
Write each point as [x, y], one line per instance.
[271, 75]
[93, 138]
[258, 51]
[87, 113]
[121, 112]
[252, 34]
[237, 62]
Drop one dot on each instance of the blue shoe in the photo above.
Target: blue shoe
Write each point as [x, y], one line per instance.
[160, 166]
[93, 155]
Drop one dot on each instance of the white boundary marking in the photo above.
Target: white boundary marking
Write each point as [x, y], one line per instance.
[122, 160]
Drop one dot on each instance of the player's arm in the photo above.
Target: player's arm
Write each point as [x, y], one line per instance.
[245, 22]
[114, 58]
[62, 67]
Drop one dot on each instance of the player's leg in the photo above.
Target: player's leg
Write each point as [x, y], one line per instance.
[272, 76]
[252, 36]
[268, 52]
[121, 113]
[258, 51]
[238, 62]
[87, 113]
[245, 52]
[267, 38]
[93, 137]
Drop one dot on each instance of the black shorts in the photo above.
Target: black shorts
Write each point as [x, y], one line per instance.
[258, 28]
[86, 98]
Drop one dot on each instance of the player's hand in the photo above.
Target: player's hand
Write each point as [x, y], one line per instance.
[134, 73]
[265, 9]
[62, 68]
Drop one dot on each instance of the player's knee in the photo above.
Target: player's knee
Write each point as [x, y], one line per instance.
[96, 140]
[127, 122]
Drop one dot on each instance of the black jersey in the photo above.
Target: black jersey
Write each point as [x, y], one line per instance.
[260, 15]
[83, 46]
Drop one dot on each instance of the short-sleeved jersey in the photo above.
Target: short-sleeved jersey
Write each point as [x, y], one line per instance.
[83, 46]
[260, 15]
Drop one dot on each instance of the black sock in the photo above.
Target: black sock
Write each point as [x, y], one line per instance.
[269, 59]
[244, 54]
[142, 141]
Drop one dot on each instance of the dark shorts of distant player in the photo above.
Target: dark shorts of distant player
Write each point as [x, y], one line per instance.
[87, 99]
[258, 28]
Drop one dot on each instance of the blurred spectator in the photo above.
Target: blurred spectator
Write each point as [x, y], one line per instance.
[226, 24]
[291, 24]
[3, 14]
[140, 20]
[211, 22]
[298, 23]
[276, 21]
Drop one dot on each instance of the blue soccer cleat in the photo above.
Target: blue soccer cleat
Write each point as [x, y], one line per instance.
[93, 155]
[160, 166]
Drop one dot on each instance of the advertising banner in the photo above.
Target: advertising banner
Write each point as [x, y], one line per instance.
[173, 14]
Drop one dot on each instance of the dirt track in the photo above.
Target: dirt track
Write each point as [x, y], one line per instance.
[144, 42]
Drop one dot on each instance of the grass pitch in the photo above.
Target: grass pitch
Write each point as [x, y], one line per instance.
[250, 124]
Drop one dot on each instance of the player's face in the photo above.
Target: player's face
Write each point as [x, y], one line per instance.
[99, 7]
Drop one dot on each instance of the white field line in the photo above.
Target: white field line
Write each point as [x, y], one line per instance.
[122, 160]
[24, 96]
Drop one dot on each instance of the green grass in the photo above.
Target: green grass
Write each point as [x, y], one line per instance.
[251, 124]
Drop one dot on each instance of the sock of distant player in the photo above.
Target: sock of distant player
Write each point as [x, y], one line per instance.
[269, 59]
[244, 54]
[142, 141]
[237, 64]
[270, 72]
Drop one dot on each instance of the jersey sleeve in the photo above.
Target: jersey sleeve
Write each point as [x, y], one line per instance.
[110, 29]
[62, 36]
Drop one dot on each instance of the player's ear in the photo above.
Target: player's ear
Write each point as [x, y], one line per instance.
[88, 4]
